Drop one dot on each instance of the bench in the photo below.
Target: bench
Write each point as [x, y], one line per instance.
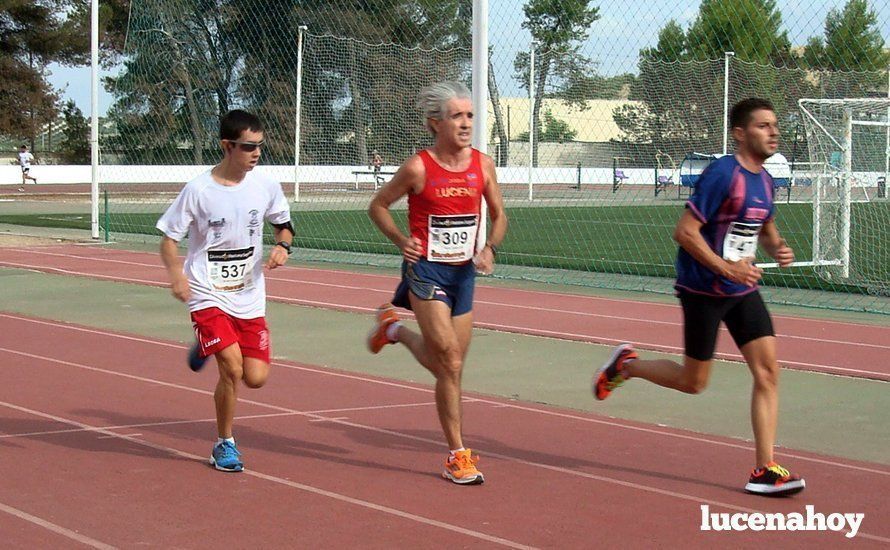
[378, 176]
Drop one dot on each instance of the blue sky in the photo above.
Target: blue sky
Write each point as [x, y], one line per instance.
[74, 83]
[624, 28]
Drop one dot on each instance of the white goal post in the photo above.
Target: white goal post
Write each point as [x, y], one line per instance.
[849, 141]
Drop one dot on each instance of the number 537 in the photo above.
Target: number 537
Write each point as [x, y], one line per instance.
[232, 271]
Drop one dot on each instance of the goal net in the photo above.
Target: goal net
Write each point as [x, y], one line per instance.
[849, 149]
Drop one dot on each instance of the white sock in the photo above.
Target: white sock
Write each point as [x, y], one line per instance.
[229, 439]
[392, 331]
[457, 451]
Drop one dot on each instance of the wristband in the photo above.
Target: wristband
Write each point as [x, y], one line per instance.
[494, 249]
[285, 245]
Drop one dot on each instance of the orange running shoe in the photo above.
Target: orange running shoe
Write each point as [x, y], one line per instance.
[386, 315]
[611, 375]
[461, 468]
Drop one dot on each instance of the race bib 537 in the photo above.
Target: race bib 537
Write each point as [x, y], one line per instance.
[230, 270]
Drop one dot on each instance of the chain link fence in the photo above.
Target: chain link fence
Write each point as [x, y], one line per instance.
[600, 116]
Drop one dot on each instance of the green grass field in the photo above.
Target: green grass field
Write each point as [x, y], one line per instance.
[632, 240]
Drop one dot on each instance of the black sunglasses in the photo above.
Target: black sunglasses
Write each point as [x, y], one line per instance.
[247, 146]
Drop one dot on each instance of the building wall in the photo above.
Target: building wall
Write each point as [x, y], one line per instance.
[593, 122]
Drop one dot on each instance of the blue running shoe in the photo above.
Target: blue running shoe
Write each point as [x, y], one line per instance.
[196, 361]
[225, 457]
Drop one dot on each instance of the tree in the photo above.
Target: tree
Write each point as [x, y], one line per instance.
[188, 61]
[750, 28]
[75, 145]
[26, 100]
[553, 130]
[394, 49]
[852, 42]
[558, 28]
[34, 33]
[600, 87]
[671, 45]
[356, 90]
[178, 78]
[114, 22]
[503, 151]
[692, 64]
[659, 118]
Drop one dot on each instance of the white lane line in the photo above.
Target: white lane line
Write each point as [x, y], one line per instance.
[669, 349]
[612, 422]
[141, 425]
[281, 481]
[334, 419]
[112, 437]
[508, 328]
[486, 302]
[603, 340]
[525, 330]
[392, 278]
[58, 529]
[208, 420]
[393, 433]
[71, 272]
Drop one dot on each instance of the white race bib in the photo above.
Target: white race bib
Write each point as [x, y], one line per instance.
[741, 241]
[230, 270]
[451, 238]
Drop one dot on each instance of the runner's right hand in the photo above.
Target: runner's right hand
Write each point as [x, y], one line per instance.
[180, 289]
[411, 249]
[744, 271]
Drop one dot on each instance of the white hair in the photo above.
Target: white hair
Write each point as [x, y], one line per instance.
[432, 99]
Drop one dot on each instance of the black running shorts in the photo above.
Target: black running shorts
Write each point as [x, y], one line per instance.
[746, 318]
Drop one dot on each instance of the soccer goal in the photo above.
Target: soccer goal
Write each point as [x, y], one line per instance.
[849, 153]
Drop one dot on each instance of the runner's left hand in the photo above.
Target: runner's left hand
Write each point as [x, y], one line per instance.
[277, 257]
[484, 261]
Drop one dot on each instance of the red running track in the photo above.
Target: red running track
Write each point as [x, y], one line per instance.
[835, 347]
[111, 453]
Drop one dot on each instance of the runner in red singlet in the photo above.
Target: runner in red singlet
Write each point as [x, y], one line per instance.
[445, 185]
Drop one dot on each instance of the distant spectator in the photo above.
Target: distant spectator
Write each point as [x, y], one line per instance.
[376, 164]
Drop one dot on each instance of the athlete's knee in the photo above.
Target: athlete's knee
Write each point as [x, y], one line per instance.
[232, 373]
[448, 357]
[694, 385]
[766, 374]
[255, 382]
[231, 366]
[693, 381]
[255, 379]
[453, 365]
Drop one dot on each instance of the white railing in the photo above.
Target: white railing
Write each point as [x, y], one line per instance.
[62, 174]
